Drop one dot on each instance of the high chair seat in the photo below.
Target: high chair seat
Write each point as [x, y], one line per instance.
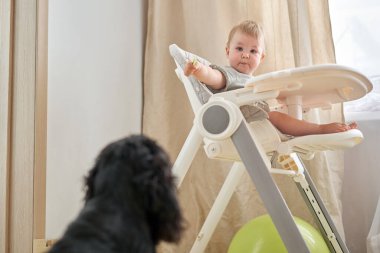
[268, 136]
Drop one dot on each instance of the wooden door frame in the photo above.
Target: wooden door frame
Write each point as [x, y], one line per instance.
[6, 11]
[23, 89]
[41, 121]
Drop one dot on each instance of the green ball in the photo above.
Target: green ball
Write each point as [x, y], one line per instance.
[260, 236]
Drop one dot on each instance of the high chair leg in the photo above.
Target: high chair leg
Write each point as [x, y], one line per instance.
[187, 154]
[253, 159]
[313, 200]
[218, 208]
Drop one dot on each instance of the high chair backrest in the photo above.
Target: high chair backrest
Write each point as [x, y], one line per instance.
[197, 92]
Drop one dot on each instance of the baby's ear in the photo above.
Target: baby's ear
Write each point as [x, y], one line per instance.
[262, 56]
[227, 51]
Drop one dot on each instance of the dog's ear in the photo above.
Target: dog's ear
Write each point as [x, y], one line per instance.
[164, 213]
[160, 200]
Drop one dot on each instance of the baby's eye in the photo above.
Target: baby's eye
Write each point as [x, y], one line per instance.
[254, 51]
[240, 49]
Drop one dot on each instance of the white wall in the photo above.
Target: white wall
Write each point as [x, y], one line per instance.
[94, 93]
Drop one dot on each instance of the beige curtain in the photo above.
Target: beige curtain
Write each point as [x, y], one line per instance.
[297, 33]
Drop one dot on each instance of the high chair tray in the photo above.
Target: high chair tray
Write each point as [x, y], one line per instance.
[317, 85]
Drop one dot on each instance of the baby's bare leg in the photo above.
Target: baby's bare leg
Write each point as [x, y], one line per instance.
[292, 126]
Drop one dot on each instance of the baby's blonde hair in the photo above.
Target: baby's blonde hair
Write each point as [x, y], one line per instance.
[249, 27]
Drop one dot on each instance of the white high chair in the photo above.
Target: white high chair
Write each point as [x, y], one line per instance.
[257, 146]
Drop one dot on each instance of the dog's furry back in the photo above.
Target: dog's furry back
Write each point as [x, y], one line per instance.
[130, 202]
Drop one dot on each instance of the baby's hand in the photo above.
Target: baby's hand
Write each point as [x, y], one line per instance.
[191, 67]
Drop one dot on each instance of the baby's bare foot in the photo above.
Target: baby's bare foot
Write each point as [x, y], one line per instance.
[353, 125]
[337, 127]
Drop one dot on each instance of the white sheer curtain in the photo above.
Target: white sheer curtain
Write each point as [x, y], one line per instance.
[357, 44]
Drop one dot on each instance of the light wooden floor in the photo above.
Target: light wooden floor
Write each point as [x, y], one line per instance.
[42, 245]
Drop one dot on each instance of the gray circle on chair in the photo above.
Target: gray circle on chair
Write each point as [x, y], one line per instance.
[215, 119]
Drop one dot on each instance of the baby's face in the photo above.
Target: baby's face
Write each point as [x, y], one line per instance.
[244, 53]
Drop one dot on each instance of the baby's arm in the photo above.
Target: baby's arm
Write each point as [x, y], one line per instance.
[292, 126]
[205, 74]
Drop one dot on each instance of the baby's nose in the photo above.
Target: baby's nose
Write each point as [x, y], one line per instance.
[245, 55]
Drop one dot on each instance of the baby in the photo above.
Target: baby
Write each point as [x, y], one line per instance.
[245, 50]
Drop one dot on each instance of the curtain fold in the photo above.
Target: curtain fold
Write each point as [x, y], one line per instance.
[202, 27]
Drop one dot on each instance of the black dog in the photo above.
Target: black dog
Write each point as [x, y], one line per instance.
[130, 202]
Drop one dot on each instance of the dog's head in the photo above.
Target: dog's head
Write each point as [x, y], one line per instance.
[136, 171]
